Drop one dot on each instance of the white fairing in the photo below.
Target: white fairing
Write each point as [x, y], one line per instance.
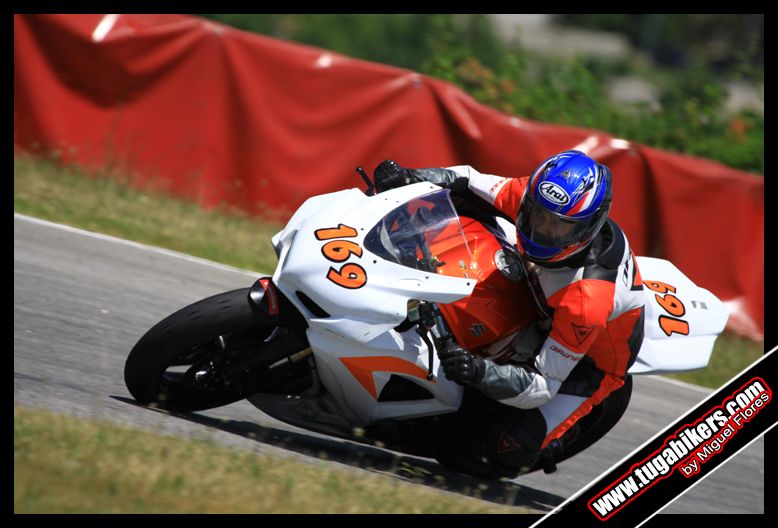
[382, 303]
[702, 311]
[356, 401]
[361, 320]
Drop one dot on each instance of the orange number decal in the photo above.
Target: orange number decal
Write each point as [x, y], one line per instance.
[351, 276]
[672, 305]
[340, 250]
[660, 287]
[329, 233]
[672, 325]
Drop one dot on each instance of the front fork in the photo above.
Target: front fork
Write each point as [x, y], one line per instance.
[289, 334]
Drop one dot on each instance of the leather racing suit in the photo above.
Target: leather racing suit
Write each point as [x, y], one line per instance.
[591, 311]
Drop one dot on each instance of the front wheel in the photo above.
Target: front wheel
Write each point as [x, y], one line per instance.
[214, 352]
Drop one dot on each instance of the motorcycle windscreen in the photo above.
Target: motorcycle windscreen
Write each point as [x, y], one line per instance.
[418, 233]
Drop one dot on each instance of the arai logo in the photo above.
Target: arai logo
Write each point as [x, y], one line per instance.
[554, 193]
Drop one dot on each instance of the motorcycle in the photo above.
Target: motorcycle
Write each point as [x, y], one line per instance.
[342, 339]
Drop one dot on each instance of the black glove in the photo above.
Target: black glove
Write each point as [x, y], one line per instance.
[460, 365]
[389, 175]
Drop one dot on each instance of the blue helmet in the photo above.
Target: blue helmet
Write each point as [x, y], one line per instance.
[565, 203]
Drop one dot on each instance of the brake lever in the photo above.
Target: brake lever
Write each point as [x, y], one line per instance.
[370, 185]
[430, 316]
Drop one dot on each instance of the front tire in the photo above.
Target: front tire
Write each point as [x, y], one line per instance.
[182, 363]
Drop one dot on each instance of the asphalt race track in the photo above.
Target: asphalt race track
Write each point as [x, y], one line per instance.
[82, 300]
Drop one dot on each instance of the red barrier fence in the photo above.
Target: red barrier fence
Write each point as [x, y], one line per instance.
[225, 116]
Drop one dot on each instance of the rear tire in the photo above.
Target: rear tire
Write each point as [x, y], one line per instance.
[588, 430]
[592, 427]
[200, 339]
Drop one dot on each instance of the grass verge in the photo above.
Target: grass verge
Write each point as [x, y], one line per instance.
[110, 205]
[70, 465]
[731, 354]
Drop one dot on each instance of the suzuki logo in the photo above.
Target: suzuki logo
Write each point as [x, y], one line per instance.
[554, 193]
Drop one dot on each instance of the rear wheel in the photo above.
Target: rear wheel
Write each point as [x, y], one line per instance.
[214, 352]
[589, 429]
[458, 441]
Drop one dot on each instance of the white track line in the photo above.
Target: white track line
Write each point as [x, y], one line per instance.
[153, 249]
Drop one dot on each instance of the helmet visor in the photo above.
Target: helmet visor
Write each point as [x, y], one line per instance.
[548, 229]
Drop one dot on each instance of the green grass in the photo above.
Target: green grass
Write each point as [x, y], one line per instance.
[109, 204]
[730, 355]
[70, 465]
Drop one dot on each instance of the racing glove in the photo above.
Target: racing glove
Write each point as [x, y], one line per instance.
[389, 175]
[460, 365]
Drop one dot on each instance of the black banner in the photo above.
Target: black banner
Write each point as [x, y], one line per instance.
[680, 456]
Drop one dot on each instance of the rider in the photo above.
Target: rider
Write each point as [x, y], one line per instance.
[587, 290]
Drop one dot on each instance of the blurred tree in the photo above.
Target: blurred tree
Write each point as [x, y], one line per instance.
[408, 41]
[270, 25]
[731, 44]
